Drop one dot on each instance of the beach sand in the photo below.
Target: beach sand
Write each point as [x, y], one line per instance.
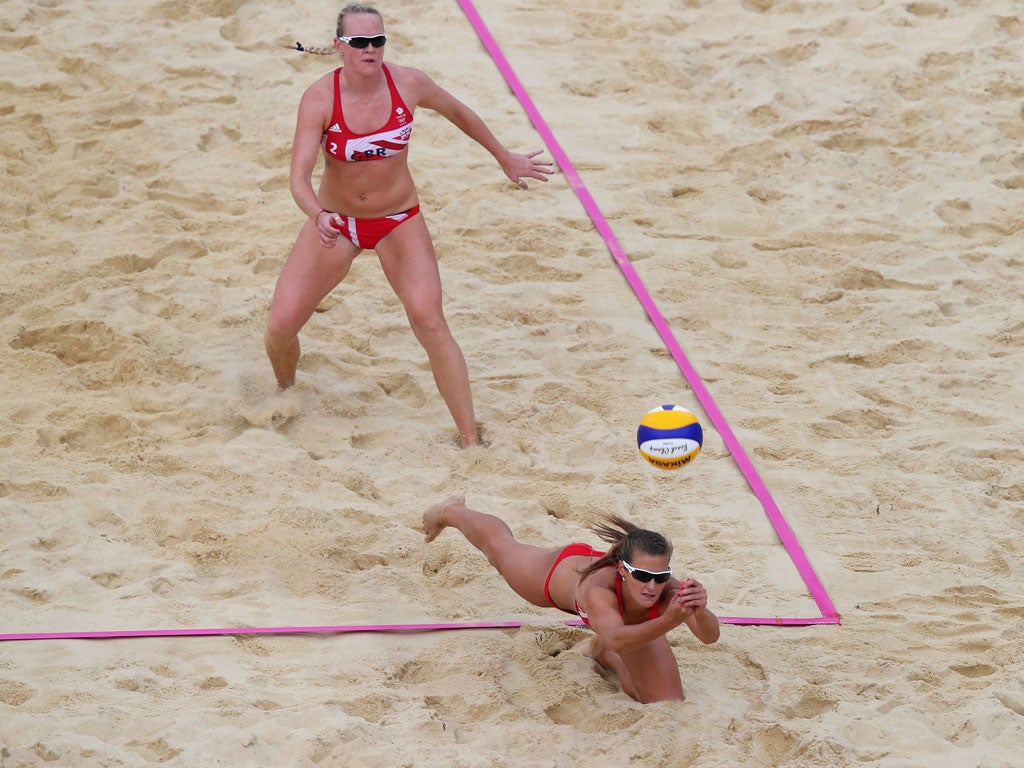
[825, 201]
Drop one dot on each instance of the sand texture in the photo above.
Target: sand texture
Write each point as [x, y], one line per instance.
[824, 199]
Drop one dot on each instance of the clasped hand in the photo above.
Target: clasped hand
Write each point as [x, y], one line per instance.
[690, 597]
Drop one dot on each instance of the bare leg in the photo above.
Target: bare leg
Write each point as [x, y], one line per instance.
[410, 264]
[654, 672]
[451, 375]
[654, 666]
[309, 274]
[593, 648]
[284, 355]
[524, 567]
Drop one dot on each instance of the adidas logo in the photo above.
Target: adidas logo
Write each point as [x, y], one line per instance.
[335, 128]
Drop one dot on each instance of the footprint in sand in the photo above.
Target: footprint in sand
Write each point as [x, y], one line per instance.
[274, 411]
[81, 341]
[14, 693]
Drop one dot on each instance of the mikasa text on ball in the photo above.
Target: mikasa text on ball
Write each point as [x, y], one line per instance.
[669, 436]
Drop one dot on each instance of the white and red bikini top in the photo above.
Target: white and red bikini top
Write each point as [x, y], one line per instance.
[342, 144]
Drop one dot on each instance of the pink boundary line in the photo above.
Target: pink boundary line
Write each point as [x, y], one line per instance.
[343, 628]
[785, 533]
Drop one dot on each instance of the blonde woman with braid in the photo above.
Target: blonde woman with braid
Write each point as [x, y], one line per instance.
[627, 595]
[360, 116]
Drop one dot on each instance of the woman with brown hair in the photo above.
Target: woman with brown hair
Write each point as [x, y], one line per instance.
[627, 595]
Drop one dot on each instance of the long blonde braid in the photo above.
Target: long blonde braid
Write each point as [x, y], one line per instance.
[327, 50]
[319, 50]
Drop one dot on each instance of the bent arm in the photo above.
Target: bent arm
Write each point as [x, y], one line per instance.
[461, 116]
[686, 604]
[704, 625]
[691, 599]
[309, 127]
[603, 613]
[516, 166]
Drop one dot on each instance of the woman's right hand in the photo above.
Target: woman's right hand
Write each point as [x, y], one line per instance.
[327, 228]
[691, 596]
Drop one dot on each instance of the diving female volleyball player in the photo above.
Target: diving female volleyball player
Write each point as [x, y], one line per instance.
[628, 595]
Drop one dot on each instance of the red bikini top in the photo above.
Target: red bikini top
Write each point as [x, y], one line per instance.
[391, 139]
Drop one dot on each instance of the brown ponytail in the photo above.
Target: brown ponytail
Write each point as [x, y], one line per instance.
[626, 539]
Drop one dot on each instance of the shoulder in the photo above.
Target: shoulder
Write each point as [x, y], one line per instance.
[415, 84]
[407, 75]
[320, 89]
[596, 596]
[600, 583]
[322, 86]
[319, 96]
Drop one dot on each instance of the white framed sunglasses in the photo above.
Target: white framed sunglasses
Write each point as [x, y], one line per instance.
[364, 41]
[660, 577]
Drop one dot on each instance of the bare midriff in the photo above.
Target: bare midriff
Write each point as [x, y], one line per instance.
[368, 189]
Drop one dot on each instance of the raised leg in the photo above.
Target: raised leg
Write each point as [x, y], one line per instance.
[523, 566]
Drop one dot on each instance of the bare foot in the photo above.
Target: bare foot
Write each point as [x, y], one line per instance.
[274, 410]
[432, 524]
[471, 441]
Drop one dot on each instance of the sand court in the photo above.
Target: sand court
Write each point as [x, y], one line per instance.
[823, 199]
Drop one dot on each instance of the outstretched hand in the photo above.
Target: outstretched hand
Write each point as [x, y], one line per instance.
[519, 167]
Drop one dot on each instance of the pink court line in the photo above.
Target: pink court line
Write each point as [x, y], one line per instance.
[778, 521]
[343, 629]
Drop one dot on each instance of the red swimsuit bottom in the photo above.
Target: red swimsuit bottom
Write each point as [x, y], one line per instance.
[366, 233]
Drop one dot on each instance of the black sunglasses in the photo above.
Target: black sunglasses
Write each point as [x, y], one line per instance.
[362, 41]
[660, 577]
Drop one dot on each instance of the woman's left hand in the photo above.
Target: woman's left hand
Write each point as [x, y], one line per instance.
[519, 167]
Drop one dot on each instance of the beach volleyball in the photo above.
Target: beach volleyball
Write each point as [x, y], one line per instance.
[669, 436]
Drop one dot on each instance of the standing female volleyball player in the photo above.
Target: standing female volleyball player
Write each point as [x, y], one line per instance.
[361, 117]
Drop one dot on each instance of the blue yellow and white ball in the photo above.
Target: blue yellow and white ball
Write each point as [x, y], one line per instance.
[669, 436]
